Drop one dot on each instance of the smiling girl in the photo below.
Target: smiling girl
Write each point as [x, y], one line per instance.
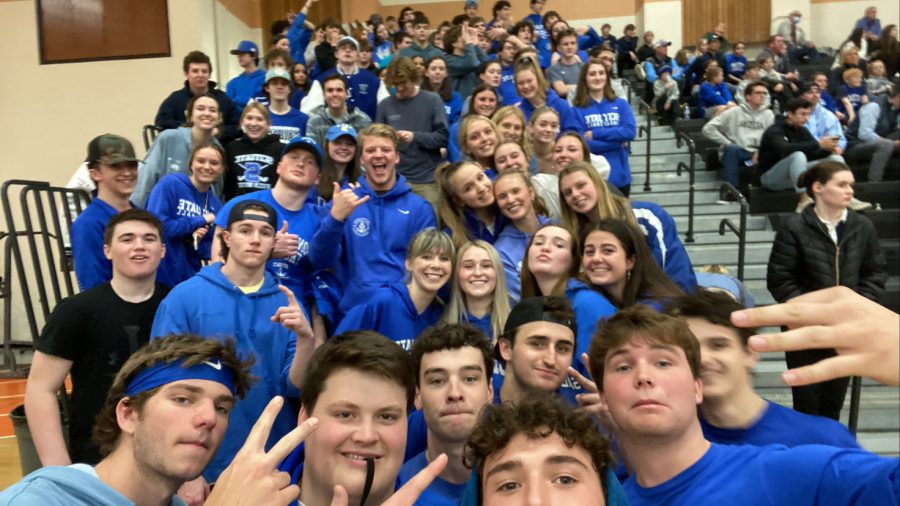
[478, 294]
[252, 158]
[466, 205]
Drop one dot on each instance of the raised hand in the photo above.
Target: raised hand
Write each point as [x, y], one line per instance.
[253, 476]
[286, 244]
[291, 316]
[344, 202]
[591, 402]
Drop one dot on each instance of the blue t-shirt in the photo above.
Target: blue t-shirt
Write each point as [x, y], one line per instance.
[289, 125]
[736, 65]
[784, 426]
[777, 475]
[439, 493]
[852, 93]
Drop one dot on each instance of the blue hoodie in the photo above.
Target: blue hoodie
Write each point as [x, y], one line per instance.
[180, 207]
[612, 127]
[299, 37]
[391, 312]
[169, 154]
[209, 304]
[511, 246]
[507, 87]
[477, 229]
[662, 238]
[91, 265]
[369, 248]
[244, 87]
[453, 107]
[567, 118]
[542, 39]
[589, 306]
[714, 94]
[294, 272]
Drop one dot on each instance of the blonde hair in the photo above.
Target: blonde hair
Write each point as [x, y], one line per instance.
[377, 130]
[429, 240]
[542, 86]
[464, 126]
[457, 311]
[450, 214]
[511, 110]
[608, 204]
[538, 204]
[256, 106]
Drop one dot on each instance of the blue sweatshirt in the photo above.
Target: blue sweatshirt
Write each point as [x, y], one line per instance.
[299, 38]
[777, 475]
[244, 87]
[209, 304]
[612, 127]
[294, 272]
[714, 94]
[510, 245]
[453, 107]
[662, 238]
[542, 39]
[784, 426]
[737, 65]
[477, 229]
[390, 312]
[589, 306]
[439, 493]
[180, 207]
[453, 153]
[567, 116]
[91, 265]
[289, 125]
[369, 249]
[507, 88]
[169, 153]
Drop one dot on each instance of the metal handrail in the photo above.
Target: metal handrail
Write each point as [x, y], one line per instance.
[645, 108]
[691, 169]
[627, 84]
[741, 230]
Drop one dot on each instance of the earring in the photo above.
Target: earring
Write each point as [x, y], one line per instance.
[628, 275]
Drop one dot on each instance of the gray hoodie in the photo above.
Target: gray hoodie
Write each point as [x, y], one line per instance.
[169, 154]
[740, 126]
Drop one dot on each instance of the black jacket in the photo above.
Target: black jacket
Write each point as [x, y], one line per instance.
[251, 166]
[171, 111]
[805, 259]
[781, 140]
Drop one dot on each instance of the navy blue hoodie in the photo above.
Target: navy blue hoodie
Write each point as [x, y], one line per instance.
[180, 207]
[209, 304]
[368, 250]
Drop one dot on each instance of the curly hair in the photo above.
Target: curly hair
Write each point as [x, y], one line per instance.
[192, 350]
[537, 417]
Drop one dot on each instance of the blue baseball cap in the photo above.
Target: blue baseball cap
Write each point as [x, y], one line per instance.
[341, 130]
[307, 143]
[246, 46]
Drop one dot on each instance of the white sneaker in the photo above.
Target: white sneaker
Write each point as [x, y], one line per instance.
[859, 205]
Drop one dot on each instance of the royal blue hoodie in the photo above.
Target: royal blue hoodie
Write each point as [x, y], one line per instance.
[209, 304]
[589, 306]
[391, 312]
[567, 116]
[511, 246]
[612, 127]
[244, 87]
[662, 238]
[714, 94]
[369, 248]
[180, 207]
[294, 272]
[91, 265]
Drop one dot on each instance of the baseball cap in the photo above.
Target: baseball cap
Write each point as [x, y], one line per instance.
[278, 73]
[246, 46]
[337, 131]
[239, 213]
[346, 39]
[110, 149]
[307, 143]
[661, 43]
[664, 69]
[472, 3]
[532, 310]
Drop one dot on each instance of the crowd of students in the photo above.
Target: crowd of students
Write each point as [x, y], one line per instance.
[414, 251]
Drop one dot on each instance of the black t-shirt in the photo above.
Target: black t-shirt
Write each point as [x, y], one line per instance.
[97, 331]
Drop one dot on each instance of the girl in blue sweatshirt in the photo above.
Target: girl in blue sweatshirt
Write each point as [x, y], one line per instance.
[605, 121]
[478, 293]
[435, 79]
[478, 138]
[550, 267]
[586, 199]
[519, 202]
[401, 311]
[714, 95]
[466, 206]
[616, 261]
[532, 87]
[186, 206]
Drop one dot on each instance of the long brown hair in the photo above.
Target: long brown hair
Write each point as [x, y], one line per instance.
[582, 94]
[529, 283]
[608, 205]
[329, 174]
[647, 279]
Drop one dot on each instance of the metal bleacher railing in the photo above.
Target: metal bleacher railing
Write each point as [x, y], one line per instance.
[740, 230]
[149, 133]
[38, 221]
[646, 110]
[690, 167]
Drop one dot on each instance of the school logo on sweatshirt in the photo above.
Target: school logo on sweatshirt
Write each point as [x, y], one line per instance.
[361, 226]
[608, 119]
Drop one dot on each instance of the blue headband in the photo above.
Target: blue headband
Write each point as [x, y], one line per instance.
[169, 372]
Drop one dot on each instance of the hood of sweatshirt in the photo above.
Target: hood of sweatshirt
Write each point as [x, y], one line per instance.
[399, 190]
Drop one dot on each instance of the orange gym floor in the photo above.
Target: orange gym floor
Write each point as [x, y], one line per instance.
[12, 393]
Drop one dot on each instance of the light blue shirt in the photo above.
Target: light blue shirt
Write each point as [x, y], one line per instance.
[823, 122]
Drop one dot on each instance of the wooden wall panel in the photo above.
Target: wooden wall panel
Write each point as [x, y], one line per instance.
[746, 20]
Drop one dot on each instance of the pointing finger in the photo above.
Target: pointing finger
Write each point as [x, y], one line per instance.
[292, 300]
